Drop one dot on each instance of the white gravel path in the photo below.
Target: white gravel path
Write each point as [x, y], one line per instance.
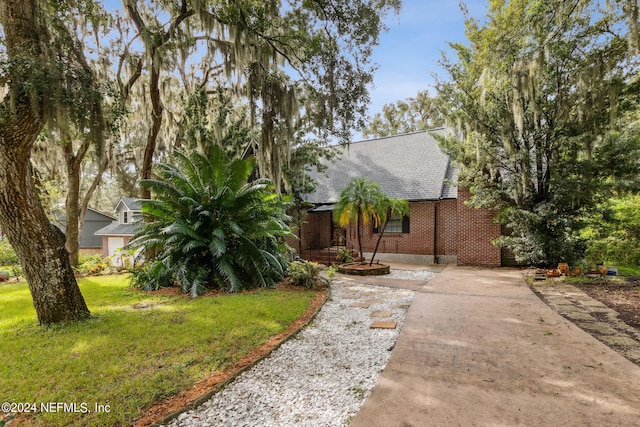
[322, 376]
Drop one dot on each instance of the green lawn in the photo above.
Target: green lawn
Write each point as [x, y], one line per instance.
[137, 348]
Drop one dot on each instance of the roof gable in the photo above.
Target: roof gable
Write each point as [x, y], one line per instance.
[129, 203]
[410, 166]
[91, 214]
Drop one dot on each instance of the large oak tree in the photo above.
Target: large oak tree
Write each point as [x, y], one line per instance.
[47, 82]
[533, 95]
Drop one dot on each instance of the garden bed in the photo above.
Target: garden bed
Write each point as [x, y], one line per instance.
[620, 294]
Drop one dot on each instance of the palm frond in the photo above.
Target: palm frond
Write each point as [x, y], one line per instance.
[208, 224]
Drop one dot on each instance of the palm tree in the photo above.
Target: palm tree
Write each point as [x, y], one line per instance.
[359, 202]
[386, 210]
[208, 226]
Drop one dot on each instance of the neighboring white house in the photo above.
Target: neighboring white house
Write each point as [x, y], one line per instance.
[117, 234]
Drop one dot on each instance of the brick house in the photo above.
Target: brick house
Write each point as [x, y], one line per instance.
[440, 228]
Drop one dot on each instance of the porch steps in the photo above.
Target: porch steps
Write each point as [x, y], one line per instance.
[327, 256]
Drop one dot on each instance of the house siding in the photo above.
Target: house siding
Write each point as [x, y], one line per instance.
[419, 241]
[442, 228]
[476, 231]
[315, 233]
[93, 221]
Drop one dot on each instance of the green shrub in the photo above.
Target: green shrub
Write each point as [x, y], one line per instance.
[92, 265]
[344, 255]
[307, 274]
[16, 271]
[208, 226]
[614, 234]
[7, 254]
[331, 272]
[543, 236]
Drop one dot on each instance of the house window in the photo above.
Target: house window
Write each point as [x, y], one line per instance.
[397, 224]
[125, 218]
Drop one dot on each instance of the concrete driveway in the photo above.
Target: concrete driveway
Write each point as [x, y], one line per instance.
[478, 348]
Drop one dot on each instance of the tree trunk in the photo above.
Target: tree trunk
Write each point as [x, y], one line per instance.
[75, 210]
[92, 189]
[72, 203]
[358, 234]
[381, 231]
[154, 83]
[156, 122]
[40, 246]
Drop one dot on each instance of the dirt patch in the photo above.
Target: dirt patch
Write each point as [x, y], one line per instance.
[619, 294]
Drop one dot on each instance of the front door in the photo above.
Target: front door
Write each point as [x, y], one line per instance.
[339, 237]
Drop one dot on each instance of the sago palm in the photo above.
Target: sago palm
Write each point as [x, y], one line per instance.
[208, 226]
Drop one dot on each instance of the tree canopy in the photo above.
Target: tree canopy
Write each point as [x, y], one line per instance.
[302, 67]
[534, 97]
[421, 112]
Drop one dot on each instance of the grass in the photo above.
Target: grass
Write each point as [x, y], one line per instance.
[136, 349]
[629, 271]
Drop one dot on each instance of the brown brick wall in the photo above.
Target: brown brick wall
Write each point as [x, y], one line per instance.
[476, 230]
[316, 231]
[462, 231]
[447, 242]
[419, 240]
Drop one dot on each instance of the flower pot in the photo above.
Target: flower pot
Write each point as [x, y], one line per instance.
[563, 267]
[575, 272]
[553, 273]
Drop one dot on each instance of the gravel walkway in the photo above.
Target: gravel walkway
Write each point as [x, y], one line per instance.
[322, 376]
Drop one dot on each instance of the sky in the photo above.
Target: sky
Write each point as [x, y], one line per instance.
[408, 53]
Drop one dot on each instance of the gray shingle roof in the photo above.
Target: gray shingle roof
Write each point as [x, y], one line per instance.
[410, 166]
[449, 188]
[131, 203]
[115, 229]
